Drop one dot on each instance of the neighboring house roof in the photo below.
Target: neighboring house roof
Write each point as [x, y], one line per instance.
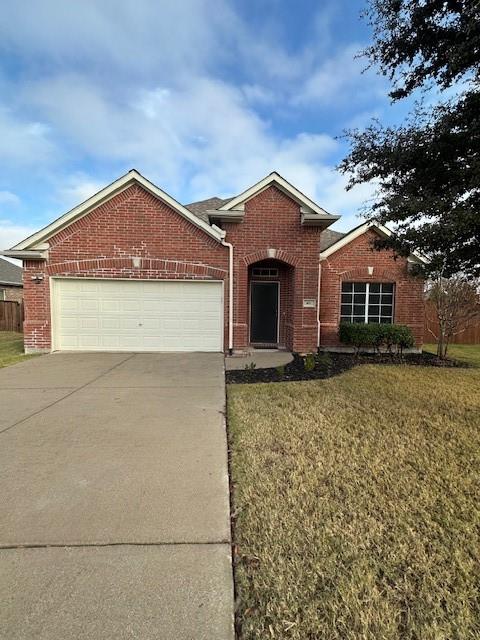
[10, 274]
[358, 231]
[35, 245]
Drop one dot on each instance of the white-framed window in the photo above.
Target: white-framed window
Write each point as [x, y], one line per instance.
[263, 272]
[367, 302]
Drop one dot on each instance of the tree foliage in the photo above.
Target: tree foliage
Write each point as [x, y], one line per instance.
[428, 169]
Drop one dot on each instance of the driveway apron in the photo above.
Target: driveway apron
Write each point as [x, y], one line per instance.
[114, 515]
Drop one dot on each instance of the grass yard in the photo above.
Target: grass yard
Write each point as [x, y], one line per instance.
[357, 505]
[463, 352]
[11, 348]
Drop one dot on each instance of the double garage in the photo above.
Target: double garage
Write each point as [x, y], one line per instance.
[136, 315]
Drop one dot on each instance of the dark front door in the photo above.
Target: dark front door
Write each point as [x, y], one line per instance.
[264, 312]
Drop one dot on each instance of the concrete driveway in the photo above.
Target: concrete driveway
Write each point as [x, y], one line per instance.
[114, 517]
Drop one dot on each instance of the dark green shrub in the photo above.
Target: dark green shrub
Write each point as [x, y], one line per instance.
[405, 338]
[390, 337]
[358, 335]
[280, 370]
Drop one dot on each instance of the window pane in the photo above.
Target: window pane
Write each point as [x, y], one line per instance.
[374, 298]
[386, 310]
[347, 286]
[346, 310]
[358, 309]
[373, 310]
[359, 298]
[375, 287]
[386, 320]
[347, 298]
[359, 320]
[359, 286]
[387, 287]
[345, 319]
[373, 320]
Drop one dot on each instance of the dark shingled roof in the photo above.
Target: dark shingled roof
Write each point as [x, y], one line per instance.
[10, 273]
[329, 237]
[201, 207]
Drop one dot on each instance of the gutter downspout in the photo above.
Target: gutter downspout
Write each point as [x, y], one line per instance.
[318, 303]
[230, 294]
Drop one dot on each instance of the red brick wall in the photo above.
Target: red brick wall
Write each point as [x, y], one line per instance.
[350, 264]
[272, 221]
[102, 244]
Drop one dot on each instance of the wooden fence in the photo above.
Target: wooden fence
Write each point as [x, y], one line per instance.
[471, 335]
[11, 316]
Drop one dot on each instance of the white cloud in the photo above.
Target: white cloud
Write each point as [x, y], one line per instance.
[11, 233]
[76, 188]
[8, 199]
[338, 79]
[23, 142]
[148, 85]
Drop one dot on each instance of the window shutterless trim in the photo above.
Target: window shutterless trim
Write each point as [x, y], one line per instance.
[366, 302]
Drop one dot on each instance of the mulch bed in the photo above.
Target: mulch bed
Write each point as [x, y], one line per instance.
[332, 364]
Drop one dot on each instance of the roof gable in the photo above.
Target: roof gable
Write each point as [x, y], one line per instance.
[360, 230]
[306, 204]
[36, 242]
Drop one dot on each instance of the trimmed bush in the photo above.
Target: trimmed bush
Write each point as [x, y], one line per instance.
[375, 336]
[309, 362]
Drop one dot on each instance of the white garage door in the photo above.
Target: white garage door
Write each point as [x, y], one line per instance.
[120, 315]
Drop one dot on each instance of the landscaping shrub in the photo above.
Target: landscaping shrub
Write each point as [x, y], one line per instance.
[309, 362]
[376, 336]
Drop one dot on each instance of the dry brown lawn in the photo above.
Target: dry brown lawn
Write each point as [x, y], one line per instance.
[357, 505]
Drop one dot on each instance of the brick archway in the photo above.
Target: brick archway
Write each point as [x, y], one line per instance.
[361, 273]
[271, 254]
[145, 268]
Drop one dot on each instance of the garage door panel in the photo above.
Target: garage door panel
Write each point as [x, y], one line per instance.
[109, 315]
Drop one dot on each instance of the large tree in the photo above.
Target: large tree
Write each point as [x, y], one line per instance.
[427, 169]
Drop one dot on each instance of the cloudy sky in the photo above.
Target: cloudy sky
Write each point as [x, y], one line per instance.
[204, 97]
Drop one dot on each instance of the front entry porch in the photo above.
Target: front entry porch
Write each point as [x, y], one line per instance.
[270, 299]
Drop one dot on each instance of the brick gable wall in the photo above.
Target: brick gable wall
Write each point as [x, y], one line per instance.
[103, 244]
[351, 264]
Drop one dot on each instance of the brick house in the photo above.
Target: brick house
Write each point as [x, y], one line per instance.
[11, 282]
[131, 269]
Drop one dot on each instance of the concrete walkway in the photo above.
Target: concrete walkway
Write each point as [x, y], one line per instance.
[114, 518]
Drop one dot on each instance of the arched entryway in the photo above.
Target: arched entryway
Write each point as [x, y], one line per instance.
[270, 304]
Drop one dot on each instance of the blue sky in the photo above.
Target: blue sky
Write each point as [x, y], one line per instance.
[204, 97]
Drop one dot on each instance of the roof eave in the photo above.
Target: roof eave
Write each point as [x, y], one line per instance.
[25, 255]
[226, 216]
[318, 220]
